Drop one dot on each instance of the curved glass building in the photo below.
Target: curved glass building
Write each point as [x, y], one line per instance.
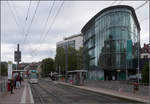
[111, 40]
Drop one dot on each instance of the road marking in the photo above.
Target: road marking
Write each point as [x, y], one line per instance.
[23, 98]
[31, 96]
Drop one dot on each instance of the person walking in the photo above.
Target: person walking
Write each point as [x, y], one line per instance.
[15, 82]
[18, 81]
[135, 87]
[12, 86]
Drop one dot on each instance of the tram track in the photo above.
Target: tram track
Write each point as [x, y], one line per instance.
[43, 95]
[55, 93]
[38, 98]
[86, 94]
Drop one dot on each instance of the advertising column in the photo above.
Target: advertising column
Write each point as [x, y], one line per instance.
[9, 70]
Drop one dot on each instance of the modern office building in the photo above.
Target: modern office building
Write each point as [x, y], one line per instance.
[111, 43]
[75, 41]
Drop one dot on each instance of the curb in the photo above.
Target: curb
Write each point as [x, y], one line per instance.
[108, 93]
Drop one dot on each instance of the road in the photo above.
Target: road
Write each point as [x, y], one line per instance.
[49, 92]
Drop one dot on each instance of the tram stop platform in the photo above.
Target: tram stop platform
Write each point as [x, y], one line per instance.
[20, 96]
[123, 95]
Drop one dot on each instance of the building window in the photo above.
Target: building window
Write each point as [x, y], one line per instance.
[145, 56]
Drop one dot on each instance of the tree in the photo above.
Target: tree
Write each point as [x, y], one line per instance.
[145, 73]
[4, 69]
[80, 58]
[72, 59]
[86, 58]
[47, 66]
[60, 59]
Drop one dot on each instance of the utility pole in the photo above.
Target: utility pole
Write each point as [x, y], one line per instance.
[0, 65]
[17, 55]
[138, 56]
[59, 72]
[126, 70]
[66, 60]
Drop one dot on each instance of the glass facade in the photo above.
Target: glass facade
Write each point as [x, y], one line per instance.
[112, 40]
[68, 43]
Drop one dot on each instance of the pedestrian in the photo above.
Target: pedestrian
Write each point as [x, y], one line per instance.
[9, 85]
[135, 87]
[15, 82]
[12, 86]
[18, 81]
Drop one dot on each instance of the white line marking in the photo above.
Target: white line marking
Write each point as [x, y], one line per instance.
[23, 98]
[31, 96]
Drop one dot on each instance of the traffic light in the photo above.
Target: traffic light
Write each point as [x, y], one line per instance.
[17, 55]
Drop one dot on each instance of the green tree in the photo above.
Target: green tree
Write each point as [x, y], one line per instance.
[60, 58]
[145, 73]
[86, 58]
[72, 59]
[4, 69]
[80, 58]
[47, 66]
[75, 58]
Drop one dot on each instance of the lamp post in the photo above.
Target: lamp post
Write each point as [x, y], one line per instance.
[118, 71]
[138, 56]
[66, 60]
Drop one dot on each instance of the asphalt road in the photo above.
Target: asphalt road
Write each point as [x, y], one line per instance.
[47, 92]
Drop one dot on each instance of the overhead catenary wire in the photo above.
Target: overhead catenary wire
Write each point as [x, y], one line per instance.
[45, 25]
[30, 25]
[46, 22]
[141, 5]
[50, 26]
[15, 12]
[15, 19]
[28, 11]
[52, 23]
[27, 15]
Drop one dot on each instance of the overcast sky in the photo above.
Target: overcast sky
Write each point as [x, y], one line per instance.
[70, 20]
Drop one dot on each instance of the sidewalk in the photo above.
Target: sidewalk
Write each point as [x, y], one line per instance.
[20, 96]
[124, 95]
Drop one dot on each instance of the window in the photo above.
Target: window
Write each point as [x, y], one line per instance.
[92, 62]
[145, 56]
[91, 53]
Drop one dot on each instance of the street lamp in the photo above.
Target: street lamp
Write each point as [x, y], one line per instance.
[66, 60]
[118, 71]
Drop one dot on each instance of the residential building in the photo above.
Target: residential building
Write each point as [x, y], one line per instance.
[110, 41]
[145, 51]
[75, 41]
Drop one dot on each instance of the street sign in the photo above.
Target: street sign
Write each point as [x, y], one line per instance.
[9, 70]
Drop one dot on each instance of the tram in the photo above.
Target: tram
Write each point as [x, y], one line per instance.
[33, 76]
